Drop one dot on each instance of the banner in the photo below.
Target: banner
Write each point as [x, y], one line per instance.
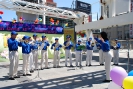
[131, 25]
[69, 31]
[26, 27]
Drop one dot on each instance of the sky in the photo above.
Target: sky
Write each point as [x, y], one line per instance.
[9, 15]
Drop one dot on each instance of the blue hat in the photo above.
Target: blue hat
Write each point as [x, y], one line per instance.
[25, 37]
[14, 33]
[56, 39]
[68, 36]
[34, 35]
[79, 40]
[43, 36]
[90, 38]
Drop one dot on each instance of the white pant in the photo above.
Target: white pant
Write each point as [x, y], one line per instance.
[68, 54]
[101, 60]
[31, 61]
[14, 61]
[107, 56]
[116, 56]
[56, 60]
[35, 58]
[78, 58]
[44, 55]
[89, 57]
[26, 59]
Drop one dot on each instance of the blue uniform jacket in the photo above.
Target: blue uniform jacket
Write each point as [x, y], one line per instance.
[70, 46]
[36, 44]
[118, 46]
[58, 48]
[99, 46]
[26, 48]
[13, 44]
[88, 46]
[105, 46]
[45, 45]
[77, 45]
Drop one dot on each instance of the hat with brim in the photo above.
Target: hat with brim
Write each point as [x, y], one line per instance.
[14, 33]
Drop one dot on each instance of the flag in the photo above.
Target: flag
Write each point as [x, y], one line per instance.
[97, 16]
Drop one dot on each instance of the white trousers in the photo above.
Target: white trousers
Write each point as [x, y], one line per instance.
[35, 58]
[101, 60]
[116, 56]
[56, 61]
[107, 56]
[68, 54]
[89, 57]
[44, 55]
[78, 58]
[31, 61]
[14, 61]
[26, 59]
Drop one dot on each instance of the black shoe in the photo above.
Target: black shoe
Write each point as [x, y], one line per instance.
[65, 65]
[86, 65]
[58, 67]
[102, 64]
[90, 65]
[24, 74]
[41, 68]
[17, 76]
[31, 71]
[107, 80]
[11, 79]
[54, 67]
[47, 68]
[116, 64]
[28, 74]
[71, 66]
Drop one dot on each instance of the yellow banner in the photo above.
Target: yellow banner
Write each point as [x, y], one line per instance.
[69, 31]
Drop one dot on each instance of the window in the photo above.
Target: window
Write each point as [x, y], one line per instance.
[119, 35]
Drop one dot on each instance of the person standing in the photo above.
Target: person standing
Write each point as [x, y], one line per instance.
[44, 52]
[56, 46]
[68, 45]
[78, 54]
[106, 55]
[35, 44]
[116, 52]
[89, 46]
[26, 50]
[99, 47]
[31, 58]
[13, 55]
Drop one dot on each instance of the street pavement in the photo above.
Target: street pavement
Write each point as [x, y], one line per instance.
[64, 77]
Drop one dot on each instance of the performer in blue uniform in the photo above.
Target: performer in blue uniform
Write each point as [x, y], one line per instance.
[78, 54]
[26, 50]
[106, 55]
[35, 51]
[89, 54]
[99, 47]
[116, 52]
[68, 45]
[56, 47]
[44, 53]
[13, 55]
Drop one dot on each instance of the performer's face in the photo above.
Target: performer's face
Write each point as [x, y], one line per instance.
[35, 37]
[56, 41]
[68, 39]
[44, 38]
[79, 42]
[13, 36]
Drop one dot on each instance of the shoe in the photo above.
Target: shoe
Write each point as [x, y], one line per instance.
[31, 71]
[24, 74]
[90, 65]
[86, 65]
[116, 64]
[47, 68]
[28, 74]
[41, 68]
[65, 65]
[58, 67]
[71, 66]
[102, 64]
[17, 76]
[107, 80]
[54, 67]
[11, 78]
